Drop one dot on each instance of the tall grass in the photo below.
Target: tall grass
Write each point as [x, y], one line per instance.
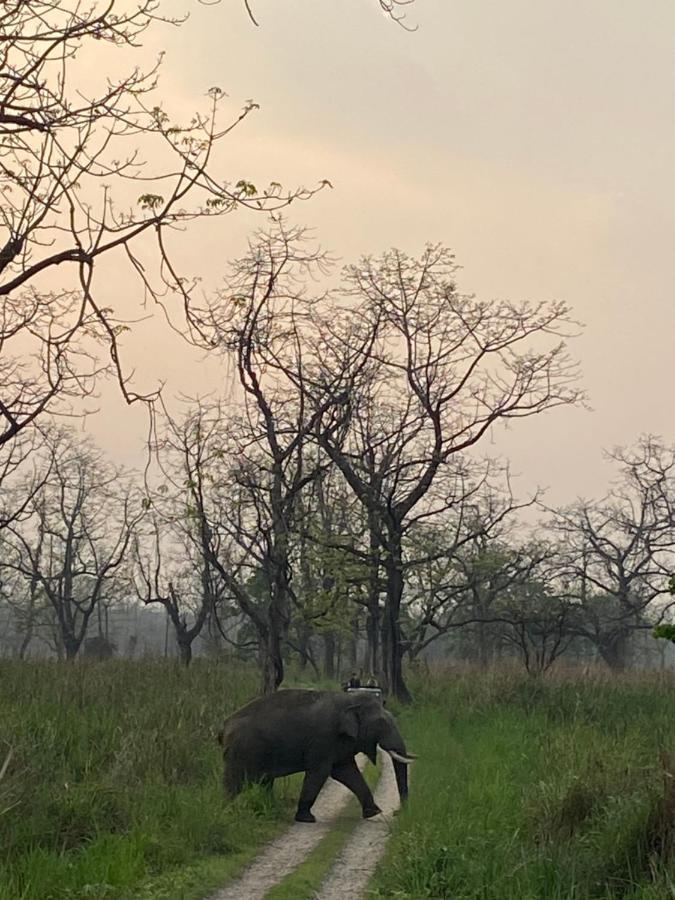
[115, 776]
[526, 789]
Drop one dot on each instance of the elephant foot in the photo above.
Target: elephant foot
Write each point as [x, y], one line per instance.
[371, 811]
[301, 816]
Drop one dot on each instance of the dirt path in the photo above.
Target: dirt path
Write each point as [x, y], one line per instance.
[287, 852]
[351, 871]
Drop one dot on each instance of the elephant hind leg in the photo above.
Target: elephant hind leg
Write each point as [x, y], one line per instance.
[314, 781]
[349, 775]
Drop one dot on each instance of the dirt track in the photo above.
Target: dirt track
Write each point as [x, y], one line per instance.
[348, 877]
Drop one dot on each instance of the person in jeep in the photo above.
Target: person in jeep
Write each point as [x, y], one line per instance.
[353, 681]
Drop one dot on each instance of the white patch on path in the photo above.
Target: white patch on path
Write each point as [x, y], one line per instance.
[284, 854]
[349, 875]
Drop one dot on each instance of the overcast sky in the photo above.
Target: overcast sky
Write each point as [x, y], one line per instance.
[535, 138]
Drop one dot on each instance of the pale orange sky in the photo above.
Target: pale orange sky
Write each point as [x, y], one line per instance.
[535, 138]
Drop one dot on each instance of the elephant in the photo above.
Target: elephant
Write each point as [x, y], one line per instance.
[315, 732]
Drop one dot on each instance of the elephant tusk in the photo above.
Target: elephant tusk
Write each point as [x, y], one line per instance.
[407, 760]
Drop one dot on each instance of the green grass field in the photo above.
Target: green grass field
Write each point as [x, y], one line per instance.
[113, 790]
[524, 789]
[527, 790]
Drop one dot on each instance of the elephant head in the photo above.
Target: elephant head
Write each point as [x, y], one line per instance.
[368, 723]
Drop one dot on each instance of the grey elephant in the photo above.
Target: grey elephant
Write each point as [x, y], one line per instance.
[315, 732]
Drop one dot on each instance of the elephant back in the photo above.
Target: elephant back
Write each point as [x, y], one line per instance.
[260, 708]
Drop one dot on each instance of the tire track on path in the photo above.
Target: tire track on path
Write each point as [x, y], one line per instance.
[284, 854]
[349, 875]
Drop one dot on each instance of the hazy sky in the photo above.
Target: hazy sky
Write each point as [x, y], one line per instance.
[535, 138]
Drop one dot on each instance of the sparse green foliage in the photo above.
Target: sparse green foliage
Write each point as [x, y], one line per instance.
[151, 202]
[665, 631]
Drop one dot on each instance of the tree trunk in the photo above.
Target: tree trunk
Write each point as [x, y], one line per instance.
[392, 642]
[338, 654]
[614, 650]
[28, 634]
[373, 628]
[58, 645]
[353, 645]
[71, 647]
[166, 635]
[25, 642]
[271, 662]
[30, 622]
[483, 639]
[374, 617]
[277, 574]
[184, 650]
[328, 654]
[312, 661]
[304, 638]
[368, 650]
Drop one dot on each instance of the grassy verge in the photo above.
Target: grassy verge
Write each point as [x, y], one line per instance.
[530, 790]
[113, 790]
[197, 880]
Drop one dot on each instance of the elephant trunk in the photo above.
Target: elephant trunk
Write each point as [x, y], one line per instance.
[401, 772]
[393, 745]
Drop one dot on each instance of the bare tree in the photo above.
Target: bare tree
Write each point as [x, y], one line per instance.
[393, 8]
[437, 370]
[618, 552]
[161, 577]
[392, 380]
[537, 622]
[21, 475]
[461, 563]
[336, 569]
[93, 169]
[174, 553]
[26, 599]
[265, 335]
[209, 510]
[74, 536]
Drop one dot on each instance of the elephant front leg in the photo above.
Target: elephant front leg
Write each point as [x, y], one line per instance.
[314, 781]
[349, 775]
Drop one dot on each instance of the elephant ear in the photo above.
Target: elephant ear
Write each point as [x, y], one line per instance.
[348, 723]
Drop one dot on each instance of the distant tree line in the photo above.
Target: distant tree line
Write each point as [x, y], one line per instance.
[81, 540]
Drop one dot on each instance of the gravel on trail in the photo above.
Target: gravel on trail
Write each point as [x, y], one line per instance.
[349, 875]
[284, 854]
